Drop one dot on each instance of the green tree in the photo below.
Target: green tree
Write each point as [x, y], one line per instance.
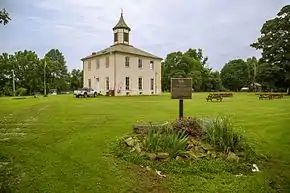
[234, 74]
[275, 46]
[29, 72]
[191, 64]
[56, 71]
[76, 79]
[252, 65]
[26, 67]
[6, 74]
[4, 17]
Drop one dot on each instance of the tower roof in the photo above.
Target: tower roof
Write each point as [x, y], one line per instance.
[121, 24]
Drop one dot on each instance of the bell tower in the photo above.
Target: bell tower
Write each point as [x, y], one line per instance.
[121, 32]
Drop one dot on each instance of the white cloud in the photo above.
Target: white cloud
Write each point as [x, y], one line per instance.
[224, 29]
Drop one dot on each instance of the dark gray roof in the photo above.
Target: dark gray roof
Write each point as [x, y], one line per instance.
[121, 24]
[123, 48]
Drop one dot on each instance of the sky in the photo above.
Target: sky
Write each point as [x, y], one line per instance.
[223, 29]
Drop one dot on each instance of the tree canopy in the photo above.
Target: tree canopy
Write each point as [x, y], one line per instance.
[4, 17]
[28, 72]
[191, 64]
[274, 44]
[238, 73]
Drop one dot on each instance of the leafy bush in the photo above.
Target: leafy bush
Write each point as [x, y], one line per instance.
[21, 92]
[7, 91]
[221, 135]
[189, 125]
[172, 142]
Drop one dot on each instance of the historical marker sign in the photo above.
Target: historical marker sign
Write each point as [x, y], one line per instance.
[181, 88]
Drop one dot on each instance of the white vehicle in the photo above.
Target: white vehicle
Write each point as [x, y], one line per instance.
[85, 92]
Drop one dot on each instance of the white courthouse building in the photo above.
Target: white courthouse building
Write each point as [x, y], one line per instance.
[122, 68]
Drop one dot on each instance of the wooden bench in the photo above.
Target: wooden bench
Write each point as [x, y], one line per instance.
[226, 94]
[265, 96]
[270, 96]
[278, 96]
[217, 97]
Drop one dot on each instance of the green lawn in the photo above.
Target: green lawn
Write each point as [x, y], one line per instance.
[62, 144]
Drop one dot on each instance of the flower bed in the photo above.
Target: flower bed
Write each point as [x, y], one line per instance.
[188, 139]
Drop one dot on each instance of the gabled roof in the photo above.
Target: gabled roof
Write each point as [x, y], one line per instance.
[121, 24]
[122, 48]
[256, 84]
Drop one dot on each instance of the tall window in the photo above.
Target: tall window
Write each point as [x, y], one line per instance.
[152, 83]
[90, 83]
[140, 81]
[127, 83]
[89, 65]
[97, 64]
[115, 37]
[107, 83]
[107, 62]
[126, 37]
[151, 65]
[140, 65]
[127, 61]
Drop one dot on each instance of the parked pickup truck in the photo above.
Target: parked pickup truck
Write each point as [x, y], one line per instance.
[85, 92]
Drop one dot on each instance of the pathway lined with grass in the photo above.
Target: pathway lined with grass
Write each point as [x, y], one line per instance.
[64, 145]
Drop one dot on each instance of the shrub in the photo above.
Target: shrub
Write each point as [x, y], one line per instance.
[188, 124]
[169, 141]
[7, 91]
[220, 134]
[21, 92]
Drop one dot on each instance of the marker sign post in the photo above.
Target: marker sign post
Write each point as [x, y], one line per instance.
[181, 88]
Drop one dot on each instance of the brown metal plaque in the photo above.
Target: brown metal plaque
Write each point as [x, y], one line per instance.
[181, 88]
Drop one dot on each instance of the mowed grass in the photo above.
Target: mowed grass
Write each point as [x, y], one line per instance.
[63, 144]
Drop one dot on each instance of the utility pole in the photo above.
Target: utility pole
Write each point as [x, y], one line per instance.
[13, 80]
[44, 78]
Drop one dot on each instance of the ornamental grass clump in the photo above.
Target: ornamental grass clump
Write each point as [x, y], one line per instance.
[221, 135]
[168, 140]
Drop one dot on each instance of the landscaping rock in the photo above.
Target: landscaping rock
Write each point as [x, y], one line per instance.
[130, 141]
[194, 142]
[197, 155]
[213, 155]
[162, 155]
[201, 155]
[199, 149]
[207, 147]
[140, 129]
[179, 158]
[241, 154]
[192, 155]
[142, 153]
[138, 147]
[165, 160]
[232, 157]
[151, 156]
[148, 168]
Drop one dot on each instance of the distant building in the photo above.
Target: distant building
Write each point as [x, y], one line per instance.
[122, 68]
[256, 86]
